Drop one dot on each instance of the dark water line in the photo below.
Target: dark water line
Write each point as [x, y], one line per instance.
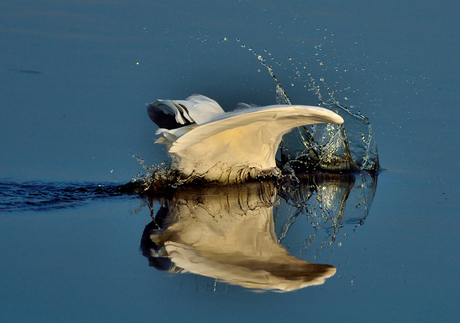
[42, 196]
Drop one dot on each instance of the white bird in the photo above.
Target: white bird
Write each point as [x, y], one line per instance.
[206, 142]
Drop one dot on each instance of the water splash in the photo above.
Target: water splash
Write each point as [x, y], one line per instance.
[336, 148]
[328, 147]
[346, 147]
[328, 202]
[162, 179]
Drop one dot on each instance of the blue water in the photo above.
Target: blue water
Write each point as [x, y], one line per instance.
[81, 122]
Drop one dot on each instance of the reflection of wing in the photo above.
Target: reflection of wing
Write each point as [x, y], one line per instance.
[279, 274]
[228, 233]
[220, 145]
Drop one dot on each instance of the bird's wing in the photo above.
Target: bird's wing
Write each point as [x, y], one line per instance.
[167, 114]
[202, 109]
[173, 114]
[280, 119]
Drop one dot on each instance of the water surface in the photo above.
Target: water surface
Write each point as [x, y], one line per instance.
[81, 122]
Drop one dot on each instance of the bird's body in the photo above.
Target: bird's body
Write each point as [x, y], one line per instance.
[204, 141]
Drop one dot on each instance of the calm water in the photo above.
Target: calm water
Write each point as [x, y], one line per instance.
[75, 79]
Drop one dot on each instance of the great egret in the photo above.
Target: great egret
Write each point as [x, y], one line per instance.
[205, 141]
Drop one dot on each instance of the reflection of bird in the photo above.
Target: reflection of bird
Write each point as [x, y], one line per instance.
[228, 233]
[207, 142]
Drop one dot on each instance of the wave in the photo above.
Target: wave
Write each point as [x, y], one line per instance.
[42, 196]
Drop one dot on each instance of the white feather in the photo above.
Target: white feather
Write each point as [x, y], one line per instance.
[220, 146]
[201, 108]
